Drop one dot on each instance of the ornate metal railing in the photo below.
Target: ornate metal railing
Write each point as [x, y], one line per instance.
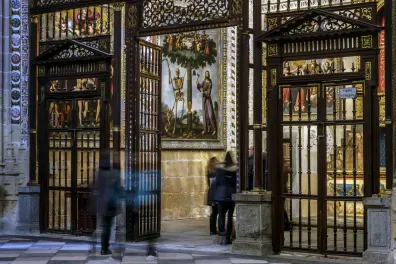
[274, 6]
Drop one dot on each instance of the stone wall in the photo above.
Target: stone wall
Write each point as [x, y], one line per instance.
[184, 184]
[13, 148]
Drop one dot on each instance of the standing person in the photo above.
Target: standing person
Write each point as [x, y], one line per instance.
[209, 119]
[225, 188]
[211, 193]
[109, 190]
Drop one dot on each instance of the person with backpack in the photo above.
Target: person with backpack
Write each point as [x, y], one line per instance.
[211, 176]
[225, 184]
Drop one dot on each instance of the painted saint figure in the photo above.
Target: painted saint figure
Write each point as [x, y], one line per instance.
[327, 68]
[209, 120]
[286, 91]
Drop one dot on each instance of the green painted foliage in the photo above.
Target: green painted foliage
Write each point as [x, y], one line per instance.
[196, 59]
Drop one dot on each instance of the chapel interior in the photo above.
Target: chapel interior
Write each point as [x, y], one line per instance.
[183, 169]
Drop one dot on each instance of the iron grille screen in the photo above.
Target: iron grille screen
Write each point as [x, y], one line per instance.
[83, 22]
[162, 13]
[272, 6]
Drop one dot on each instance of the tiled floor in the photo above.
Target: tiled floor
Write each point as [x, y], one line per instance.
[40, 250]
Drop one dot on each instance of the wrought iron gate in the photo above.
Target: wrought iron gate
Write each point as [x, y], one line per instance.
[324, 171]
[73, 81]
[74, 160]
[144, 182]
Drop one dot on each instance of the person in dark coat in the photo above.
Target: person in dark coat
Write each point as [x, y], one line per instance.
[225, 187]
[211, 192]
[108, 191]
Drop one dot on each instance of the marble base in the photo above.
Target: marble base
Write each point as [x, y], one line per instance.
[253, 224]
[378, 230]
[29, 210]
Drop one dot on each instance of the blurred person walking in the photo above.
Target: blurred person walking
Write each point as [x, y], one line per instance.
[108, 186]
[213, 162]
[225, 187]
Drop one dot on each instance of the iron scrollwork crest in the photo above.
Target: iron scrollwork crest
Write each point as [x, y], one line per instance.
[272, 23]
[73, 52]
[132, 16]
[162, 13]
[357, 13]
[367, 13]
[321, 23]
[368, 70]
[41, 71]
[118, 6]
[273, 76]
[237, 7]
[102, 66]
[42, 93]
[272, 50]
[367, 42]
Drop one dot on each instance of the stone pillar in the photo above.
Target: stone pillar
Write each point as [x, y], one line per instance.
[253, 224]
[29, 210]
[378, 230]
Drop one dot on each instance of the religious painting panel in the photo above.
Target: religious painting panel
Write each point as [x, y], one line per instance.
[88, 113]
[73, 85]
[299, 103]
[193, 80]
[321, 66]
[59, 114]
[76, 23]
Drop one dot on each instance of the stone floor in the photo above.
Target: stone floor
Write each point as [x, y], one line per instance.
[184, 241]
[36, 250]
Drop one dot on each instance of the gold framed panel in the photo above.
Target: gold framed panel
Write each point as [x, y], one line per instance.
[219, 142]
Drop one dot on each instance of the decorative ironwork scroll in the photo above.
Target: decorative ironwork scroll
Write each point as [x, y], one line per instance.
[270, 6]
[236, 7]
[368, 70]
[363, 12]
[367, 42]
[162, 13]
[321, 23]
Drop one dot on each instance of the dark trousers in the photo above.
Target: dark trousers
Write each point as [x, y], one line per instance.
[213, 219]
[107, 222]
[223, 208]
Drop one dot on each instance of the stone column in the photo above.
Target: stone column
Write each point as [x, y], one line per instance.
[29, 210]
[392, 257]
[253, 224]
